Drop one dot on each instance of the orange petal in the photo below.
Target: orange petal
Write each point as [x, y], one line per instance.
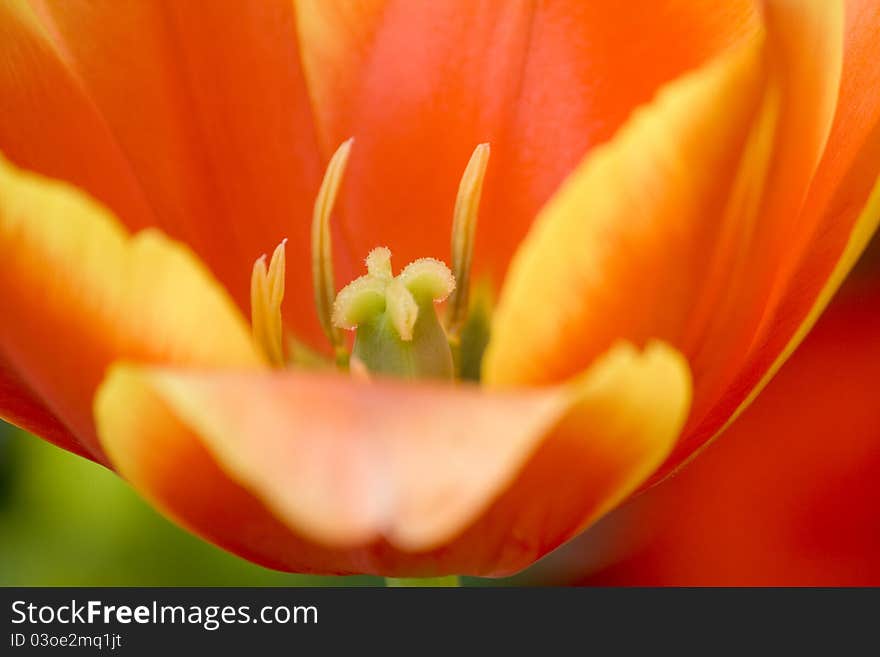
[788, 496]
[390, 478]
[50, 124]
[208, 103]
[19, 406]
[80, 292]
[807, 293]
[420, 84]
[627, 247]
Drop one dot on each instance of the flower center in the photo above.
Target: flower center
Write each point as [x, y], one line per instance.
[398, 331]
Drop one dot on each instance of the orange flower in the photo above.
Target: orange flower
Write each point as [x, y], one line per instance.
[789, 497]
[709, 228]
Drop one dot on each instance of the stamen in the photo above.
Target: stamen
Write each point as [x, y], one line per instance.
[464, 226]
[322, 248]
[276, 275]
[267, 293]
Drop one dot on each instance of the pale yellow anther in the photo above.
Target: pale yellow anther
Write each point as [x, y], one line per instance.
[277, 273]
[322, 251]
[464, 226]
[267, 293]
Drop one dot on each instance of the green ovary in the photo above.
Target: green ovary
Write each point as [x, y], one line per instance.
[427, 355]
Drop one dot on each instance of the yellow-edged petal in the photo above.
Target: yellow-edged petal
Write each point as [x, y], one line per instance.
[391, 478]
[207, 103]
[615, 251]
[79, 292]
[684, 226]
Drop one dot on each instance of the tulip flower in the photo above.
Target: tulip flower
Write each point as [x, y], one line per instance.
[673, 195]
[788, 497]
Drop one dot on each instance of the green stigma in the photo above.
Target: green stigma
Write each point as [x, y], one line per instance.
[398, 332]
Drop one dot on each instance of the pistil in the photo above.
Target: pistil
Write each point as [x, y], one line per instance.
[397, 329]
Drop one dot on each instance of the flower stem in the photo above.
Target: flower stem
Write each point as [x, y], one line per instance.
[449, 580]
